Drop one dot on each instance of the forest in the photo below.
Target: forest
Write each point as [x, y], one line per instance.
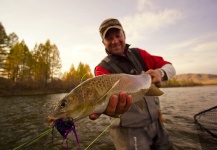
[24, 71]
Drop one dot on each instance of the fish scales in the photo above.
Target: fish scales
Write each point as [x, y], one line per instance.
[92, 95]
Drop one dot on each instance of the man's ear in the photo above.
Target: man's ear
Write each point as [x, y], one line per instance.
[103, 42]
[124, 34]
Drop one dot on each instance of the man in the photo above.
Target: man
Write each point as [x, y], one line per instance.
[139, 126]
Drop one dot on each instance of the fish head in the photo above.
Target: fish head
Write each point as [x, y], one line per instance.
[76, 105]
[68, 107]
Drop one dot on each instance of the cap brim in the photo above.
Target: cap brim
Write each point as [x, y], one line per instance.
[116, 27]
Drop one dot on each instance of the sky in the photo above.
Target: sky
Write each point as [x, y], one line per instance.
[182, 32]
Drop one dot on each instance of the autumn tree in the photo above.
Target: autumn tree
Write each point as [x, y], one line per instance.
[83, 72]
[12, 39]
[3, 35]
[18, 62]
[75, 76]
[47, 61]
[3, 48]
[55, 62]
[69, 78]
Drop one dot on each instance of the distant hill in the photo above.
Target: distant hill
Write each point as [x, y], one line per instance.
[206, 79]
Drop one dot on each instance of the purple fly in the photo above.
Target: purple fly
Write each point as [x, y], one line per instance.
[65, 126]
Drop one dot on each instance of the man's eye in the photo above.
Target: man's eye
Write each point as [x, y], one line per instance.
[117, 36]
[108, 38]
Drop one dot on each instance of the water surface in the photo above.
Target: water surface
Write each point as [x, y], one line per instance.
[23, 119]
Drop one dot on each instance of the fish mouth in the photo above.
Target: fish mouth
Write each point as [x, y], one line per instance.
[51, 119]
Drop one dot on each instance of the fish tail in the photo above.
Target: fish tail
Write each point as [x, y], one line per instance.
[154, 91]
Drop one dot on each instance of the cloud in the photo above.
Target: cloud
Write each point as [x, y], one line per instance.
[203, 43]
[206, 47]
[194, 55]
[149, 21]
[142, 4]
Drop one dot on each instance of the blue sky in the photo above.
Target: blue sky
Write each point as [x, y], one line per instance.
[183, 32]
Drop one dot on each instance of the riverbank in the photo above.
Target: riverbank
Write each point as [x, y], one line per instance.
[8, 88]
[4, 93]
[29, 93]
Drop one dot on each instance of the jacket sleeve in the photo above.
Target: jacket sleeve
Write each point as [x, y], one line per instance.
[100, 71]
[156, 62]
[151, 61]
[169, 70]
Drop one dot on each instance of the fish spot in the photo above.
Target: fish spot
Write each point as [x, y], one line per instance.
[87, 93]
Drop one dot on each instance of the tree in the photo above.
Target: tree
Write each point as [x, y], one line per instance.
[83, 72]
[73, 77]
[55, 61]
[26, 64]
[3, 36]
[48, 62]
[3, 48]
[12, 39]
[69, 78]
[18, 62]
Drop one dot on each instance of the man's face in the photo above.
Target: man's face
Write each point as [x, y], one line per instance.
[115, 41]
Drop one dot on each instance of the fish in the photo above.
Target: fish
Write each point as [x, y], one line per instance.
[92, 95]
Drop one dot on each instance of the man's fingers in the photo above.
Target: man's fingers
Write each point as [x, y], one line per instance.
[128, 103]
[121, 103]
[110, 110]
[117, 105]
[94, 116]
[155, 75]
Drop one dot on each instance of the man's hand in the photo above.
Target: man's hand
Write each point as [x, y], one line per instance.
[116, 106]
[156, 76]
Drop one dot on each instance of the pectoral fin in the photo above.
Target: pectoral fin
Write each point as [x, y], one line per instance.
[154, 91]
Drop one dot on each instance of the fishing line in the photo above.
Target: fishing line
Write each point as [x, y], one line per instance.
[100, 134]
[50, 129]
[34, 140]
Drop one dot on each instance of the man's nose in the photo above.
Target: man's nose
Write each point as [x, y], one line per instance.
[114, 40]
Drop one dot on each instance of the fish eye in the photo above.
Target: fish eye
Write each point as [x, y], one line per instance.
[63, 103]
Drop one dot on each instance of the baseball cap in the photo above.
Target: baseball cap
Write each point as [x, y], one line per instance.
[108, 24]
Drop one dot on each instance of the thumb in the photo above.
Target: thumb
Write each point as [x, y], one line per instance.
[94, 116]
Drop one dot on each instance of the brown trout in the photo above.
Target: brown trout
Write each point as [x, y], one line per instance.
[92, 95]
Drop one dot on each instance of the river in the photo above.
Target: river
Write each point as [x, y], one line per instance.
[22, 118]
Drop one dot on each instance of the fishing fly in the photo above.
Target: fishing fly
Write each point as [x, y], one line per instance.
[65, 126]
